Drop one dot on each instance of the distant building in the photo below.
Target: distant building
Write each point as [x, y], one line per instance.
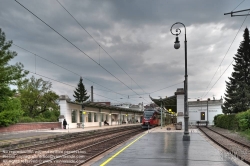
[204, 110]
[151, 105]
[121, 105]
[95, 113]
[138, 107]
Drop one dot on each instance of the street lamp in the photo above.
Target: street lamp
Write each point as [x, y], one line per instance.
[83, 113]
[161, 111]
[186, 136]
[207, 111]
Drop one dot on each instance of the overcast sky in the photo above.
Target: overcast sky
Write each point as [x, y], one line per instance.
[125, 49]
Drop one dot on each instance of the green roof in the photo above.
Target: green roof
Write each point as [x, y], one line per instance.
[167, 103]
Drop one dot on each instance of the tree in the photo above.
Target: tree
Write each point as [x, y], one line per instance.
[36, 97]
[9, 75]
[237, 96]
[80, 93]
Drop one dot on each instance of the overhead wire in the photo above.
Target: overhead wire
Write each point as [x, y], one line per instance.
[109, 90]
[100, 46]
[219, 77]
[64, 83]
[159, 89]
[77, 47]
[238, 5]
[65, 68]
[224, 58]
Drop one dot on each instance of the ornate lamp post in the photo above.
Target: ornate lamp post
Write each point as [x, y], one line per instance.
[83, 113]
[186, 136]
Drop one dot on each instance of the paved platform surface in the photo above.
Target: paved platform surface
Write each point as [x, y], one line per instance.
[165, 147]
[15, 137]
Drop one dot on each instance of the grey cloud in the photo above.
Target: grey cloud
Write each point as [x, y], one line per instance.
[129, 32]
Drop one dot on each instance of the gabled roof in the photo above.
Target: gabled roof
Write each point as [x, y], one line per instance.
[99, 105]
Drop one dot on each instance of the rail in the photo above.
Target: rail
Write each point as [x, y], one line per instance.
[234, 147]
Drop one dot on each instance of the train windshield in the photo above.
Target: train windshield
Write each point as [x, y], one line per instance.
[148, 114]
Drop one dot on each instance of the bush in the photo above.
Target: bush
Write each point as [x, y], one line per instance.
[240, 121]
[216, 119]
[243, 120]
[26, 119]
[48, 116]
[227, 122]
[10, 111]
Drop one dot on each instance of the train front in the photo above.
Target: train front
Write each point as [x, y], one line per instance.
[147, 120]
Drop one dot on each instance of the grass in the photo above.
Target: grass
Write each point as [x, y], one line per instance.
[245, 134]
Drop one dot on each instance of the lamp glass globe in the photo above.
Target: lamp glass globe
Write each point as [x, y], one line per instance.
[177, 45]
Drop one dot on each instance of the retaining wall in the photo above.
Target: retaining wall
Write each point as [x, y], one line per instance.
[31, 126]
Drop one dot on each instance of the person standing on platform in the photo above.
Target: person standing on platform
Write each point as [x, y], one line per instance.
[64, 123]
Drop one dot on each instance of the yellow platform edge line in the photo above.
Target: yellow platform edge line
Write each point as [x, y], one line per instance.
[111, 158]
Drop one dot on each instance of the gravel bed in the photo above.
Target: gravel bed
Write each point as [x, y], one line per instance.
[232, 134]
[242, 152]
[30, 159]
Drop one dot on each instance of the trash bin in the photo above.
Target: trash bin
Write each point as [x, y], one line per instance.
[178, 126]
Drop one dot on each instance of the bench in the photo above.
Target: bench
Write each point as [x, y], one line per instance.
[201, 123]
[123, 122]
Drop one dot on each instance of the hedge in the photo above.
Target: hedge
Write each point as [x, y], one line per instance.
[240, 121]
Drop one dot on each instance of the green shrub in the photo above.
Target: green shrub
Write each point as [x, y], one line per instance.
[227, 122]
[246, 133]
[243, 120]
[216, 119]
[48, 116]
[240, 121]
[10, 111]
[26, 119]
[243, 124]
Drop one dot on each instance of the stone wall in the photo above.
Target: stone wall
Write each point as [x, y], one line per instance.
[31, 126]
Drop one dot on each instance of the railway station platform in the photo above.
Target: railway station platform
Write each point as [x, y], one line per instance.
[8, 138]
[162, 147]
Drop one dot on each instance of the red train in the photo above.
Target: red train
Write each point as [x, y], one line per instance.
[151, 118]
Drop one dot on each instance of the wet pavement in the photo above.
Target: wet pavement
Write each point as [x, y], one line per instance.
[162, 147]
[157, 147]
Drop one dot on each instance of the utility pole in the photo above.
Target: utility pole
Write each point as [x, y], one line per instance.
[92, 97]
[232, 13]
[161, 113]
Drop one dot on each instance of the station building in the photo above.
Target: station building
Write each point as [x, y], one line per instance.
[90, 114]
[200, 110]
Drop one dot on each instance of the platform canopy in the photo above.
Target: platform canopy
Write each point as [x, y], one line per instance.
[167, 103]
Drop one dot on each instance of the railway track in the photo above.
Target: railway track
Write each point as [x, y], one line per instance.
[69, 152]
[59, 138]
[237, 147]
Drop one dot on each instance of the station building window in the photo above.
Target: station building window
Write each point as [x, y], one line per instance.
[202, 115]
[107, 117]
[80, 114]
[95, 117]
[73, 116]
[89, 117]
